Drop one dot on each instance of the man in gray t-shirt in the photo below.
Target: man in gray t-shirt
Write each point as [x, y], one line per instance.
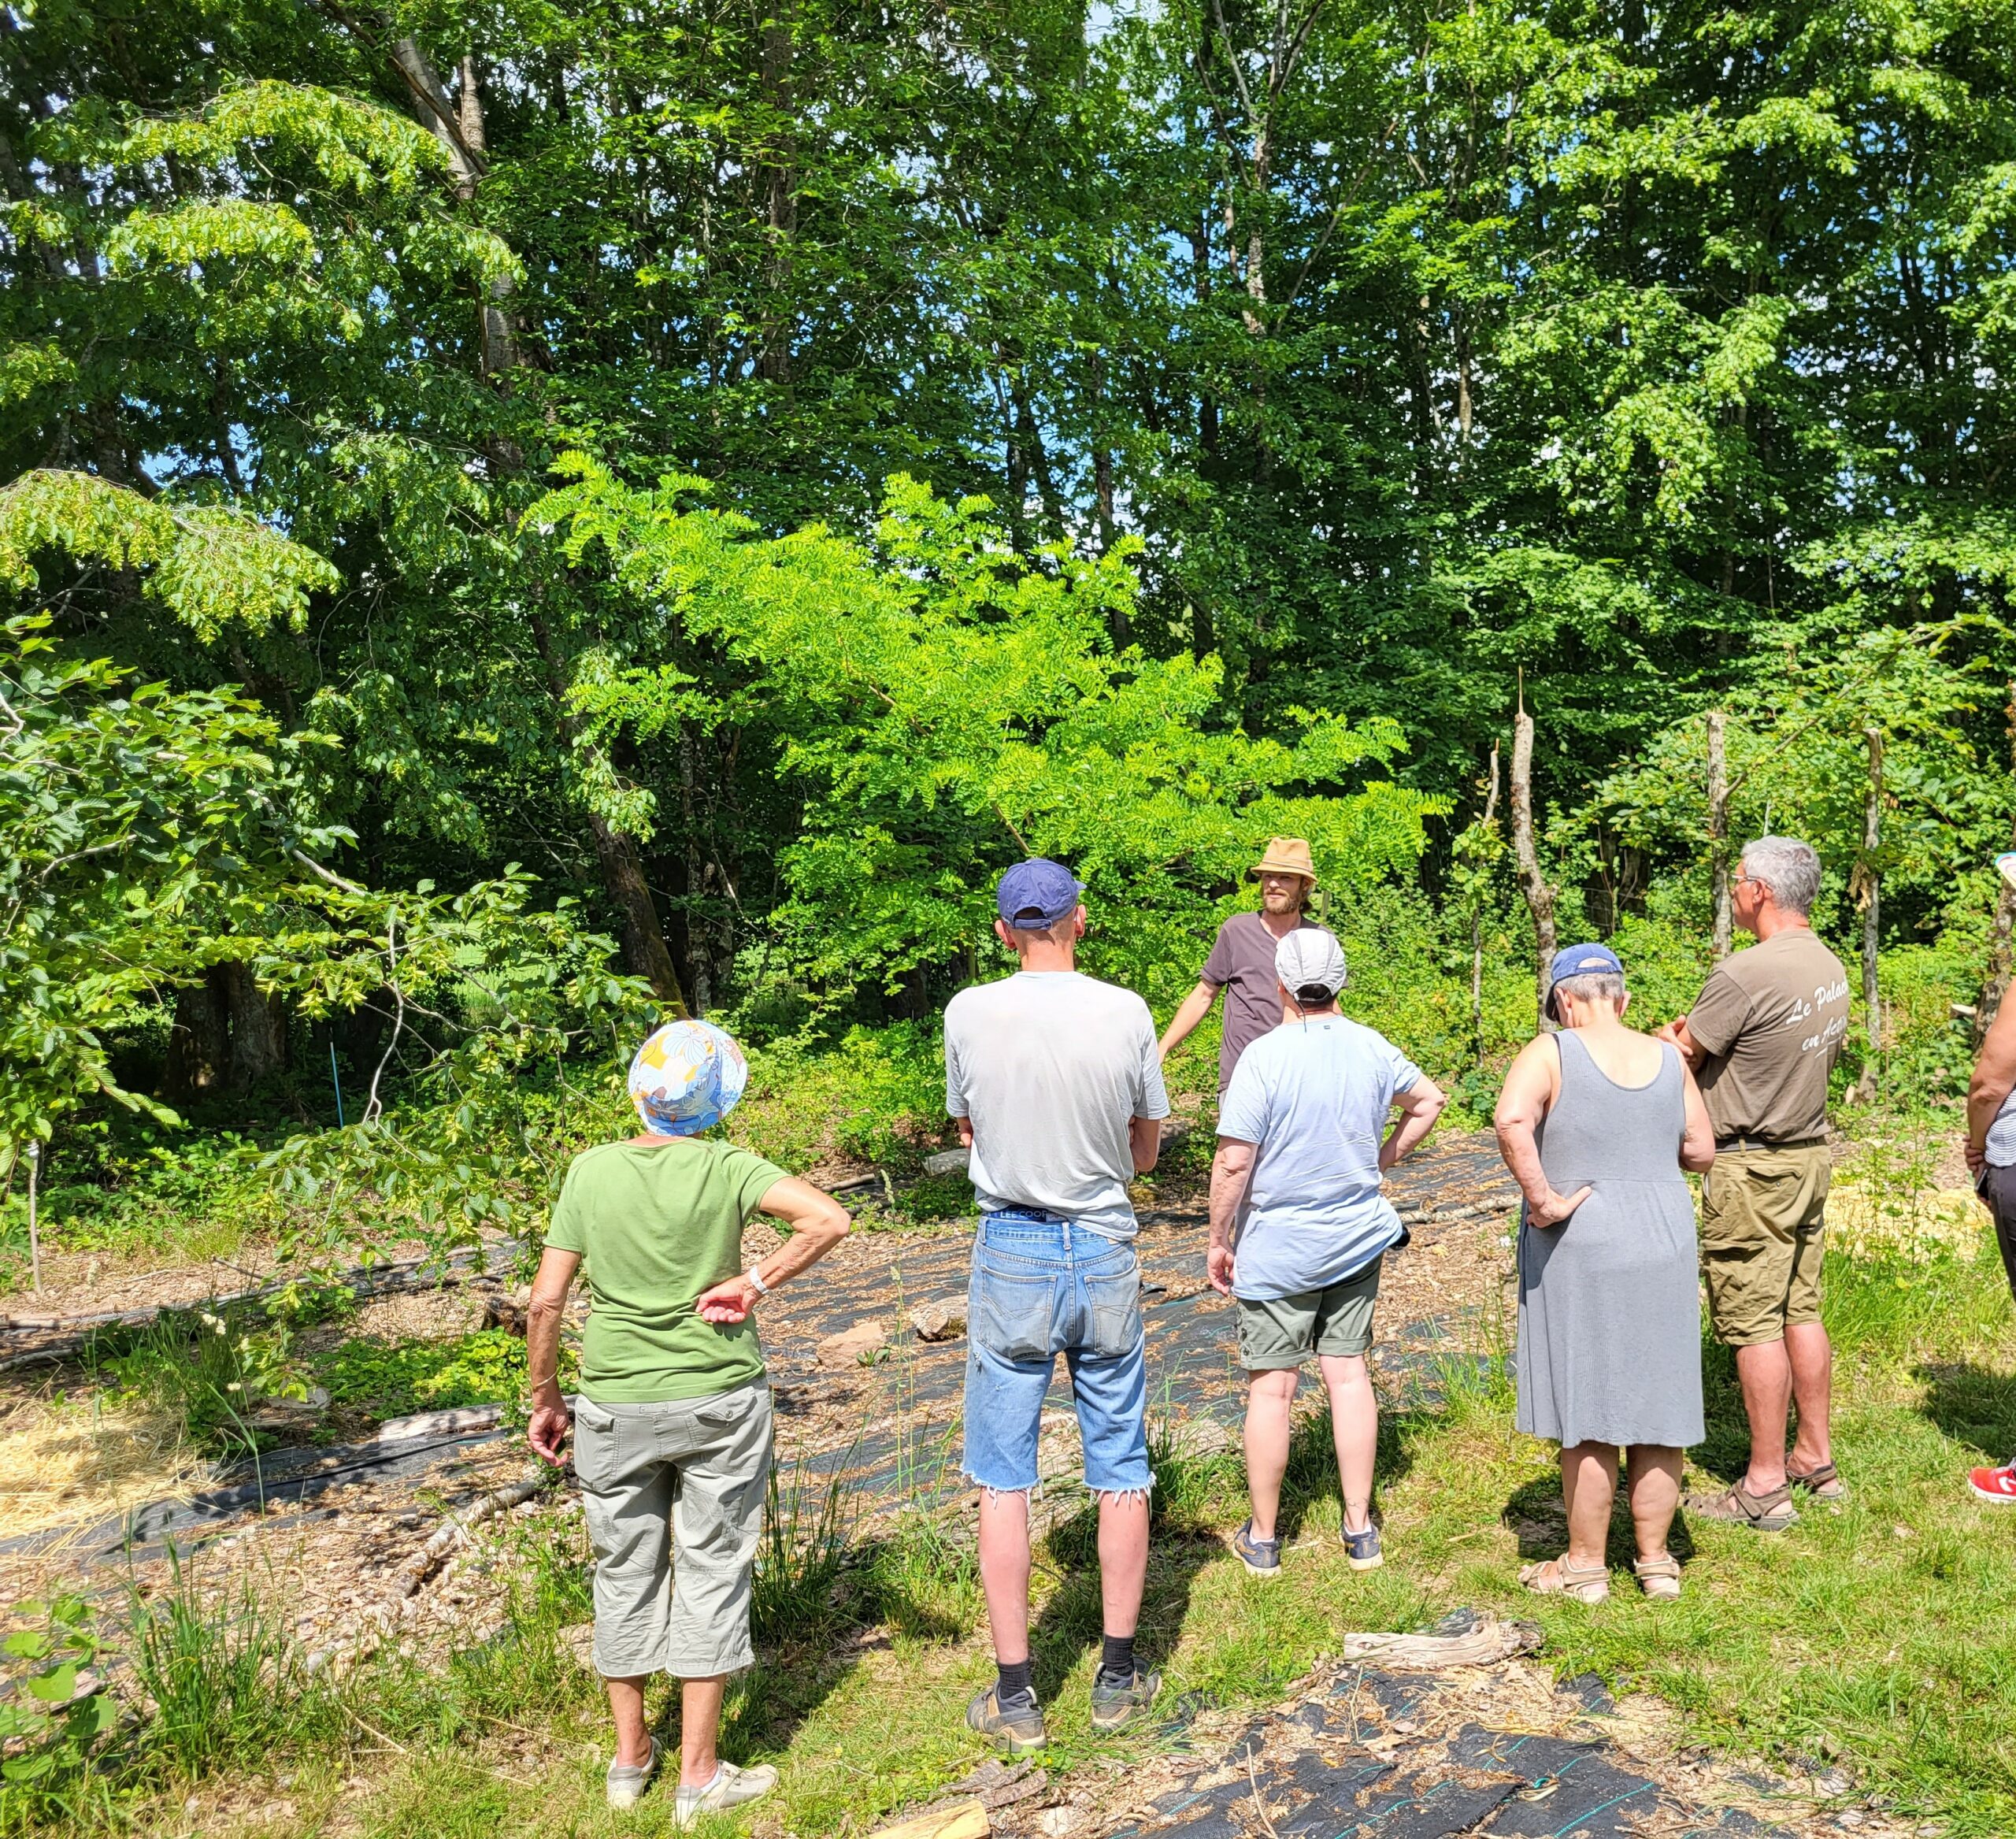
[1049, 1070]
[1242, 960]
[1054, 1081]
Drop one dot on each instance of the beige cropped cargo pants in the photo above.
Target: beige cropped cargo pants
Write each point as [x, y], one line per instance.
[674, 1497]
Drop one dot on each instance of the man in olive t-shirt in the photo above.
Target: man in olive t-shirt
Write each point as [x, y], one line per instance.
[1762, 1039]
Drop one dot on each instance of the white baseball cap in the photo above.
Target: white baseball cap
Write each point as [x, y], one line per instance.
[1309, 955]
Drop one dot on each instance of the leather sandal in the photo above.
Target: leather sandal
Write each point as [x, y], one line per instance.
[1556, 1577]
[1736, 1506]
[1823, 1482]
[1659, 1578]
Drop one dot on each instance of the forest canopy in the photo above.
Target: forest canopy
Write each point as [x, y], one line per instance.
[655, 507]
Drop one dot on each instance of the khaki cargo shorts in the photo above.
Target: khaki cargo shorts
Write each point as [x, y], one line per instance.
[1286, 1331]
[685, 1479]
[1763, 1228]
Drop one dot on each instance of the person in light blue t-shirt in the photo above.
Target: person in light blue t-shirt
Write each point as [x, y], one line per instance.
[1298, 1227]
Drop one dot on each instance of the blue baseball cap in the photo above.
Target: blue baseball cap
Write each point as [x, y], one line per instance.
[1037, 893]
[1579, 961]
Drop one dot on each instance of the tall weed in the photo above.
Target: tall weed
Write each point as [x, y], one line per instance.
[923, 1580]
[225, 1674]
[799, 1556]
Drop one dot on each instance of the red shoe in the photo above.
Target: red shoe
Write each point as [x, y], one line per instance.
[1995, 1484]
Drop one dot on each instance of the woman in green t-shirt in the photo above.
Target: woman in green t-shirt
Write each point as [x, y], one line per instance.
[672, 1424]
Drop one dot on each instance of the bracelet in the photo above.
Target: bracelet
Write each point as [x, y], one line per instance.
[754, 1273]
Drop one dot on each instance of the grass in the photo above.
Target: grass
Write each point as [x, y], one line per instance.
[1878, 1636]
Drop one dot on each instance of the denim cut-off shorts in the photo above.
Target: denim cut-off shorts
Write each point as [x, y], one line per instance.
[1043, 1287]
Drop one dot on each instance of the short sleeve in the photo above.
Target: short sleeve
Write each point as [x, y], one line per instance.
[1718, 1015]
[1242, 1111]
[752, 1177]
[1402, 1071]
[955, 1074]
[566, 1230]
[1218, 968]
[1151, 1098]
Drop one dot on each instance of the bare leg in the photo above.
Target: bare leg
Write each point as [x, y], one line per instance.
[1652, 1482]
[1588, 1487]
[1004, 1570]
[1354, 1428]
[1123, 1560]
[1269, 1410]
[1766, 1377]
[626, 1706]
[699, 1728]
[1811, 1357]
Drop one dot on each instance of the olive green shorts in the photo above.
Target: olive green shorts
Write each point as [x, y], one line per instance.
[1763, 1232]
[1285, 1331]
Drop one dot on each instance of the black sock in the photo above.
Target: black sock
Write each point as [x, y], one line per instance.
[1117, 1660]
[1015, 1688]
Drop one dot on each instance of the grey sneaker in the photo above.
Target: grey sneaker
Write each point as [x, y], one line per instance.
[1361, 1549]
[731, 1788]
[1020, 1732]
[1262, 1557]
[627, 1781]
[1115, 1706]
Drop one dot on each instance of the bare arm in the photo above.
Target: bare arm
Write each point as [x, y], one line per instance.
[1196, 1005]
[817, 1223]
[1232, 1168]
[1530, 1088]
[1144, 1138]
[1691, 1051]
[1419, 1106]
[1994, 1076]
[550, 1418]
[1697, 1147]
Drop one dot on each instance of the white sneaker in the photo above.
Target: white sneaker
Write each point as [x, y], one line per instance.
[626, 1781]
[731, 1788]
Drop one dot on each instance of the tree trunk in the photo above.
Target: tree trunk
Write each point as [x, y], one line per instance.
[1533, 882]
[199, 1042]
[438, 116]
[1871, 879]
[258, 1026]
[644, 951]
[1476, 928]
[1999, 954]
[1718, 835]
[779, 180]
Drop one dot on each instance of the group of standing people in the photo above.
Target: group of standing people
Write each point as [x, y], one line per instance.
[1054, 1080]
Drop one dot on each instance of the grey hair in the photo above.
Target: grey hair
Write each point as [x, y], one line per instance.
[1591, 986]
[1789, 868]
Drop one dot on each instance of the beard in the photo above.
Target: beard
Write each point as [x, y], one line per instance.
[1289, 903]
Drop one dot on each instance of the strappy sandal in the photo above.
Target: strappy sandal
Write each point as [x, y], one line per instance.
[1823, 1483]
[1659, 1578]
[1736, 1506]
[1556, 1577]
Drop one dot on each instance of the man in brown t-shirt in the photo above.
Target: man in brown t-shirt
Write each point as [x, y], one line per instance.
[1762, 1039]
[1242, 960]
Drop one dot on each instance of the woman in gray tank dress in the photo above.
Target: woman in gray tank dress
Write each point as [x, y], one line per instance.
[1596, 1123]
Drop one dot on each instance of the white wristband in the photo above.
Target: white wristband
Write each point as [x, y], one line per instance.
[755, 1276]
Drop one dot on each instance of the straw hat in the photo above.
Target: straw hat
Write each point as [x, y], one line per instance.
[1286, 855]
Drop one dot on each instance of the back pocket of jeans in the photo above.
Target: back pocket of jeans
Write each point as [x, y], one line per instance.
[1013, 1315]
[1116, 1307]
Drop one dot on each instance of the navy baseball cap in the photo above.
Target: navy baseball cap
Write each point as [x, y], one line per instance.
[1038, 892]
[1579, 961]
